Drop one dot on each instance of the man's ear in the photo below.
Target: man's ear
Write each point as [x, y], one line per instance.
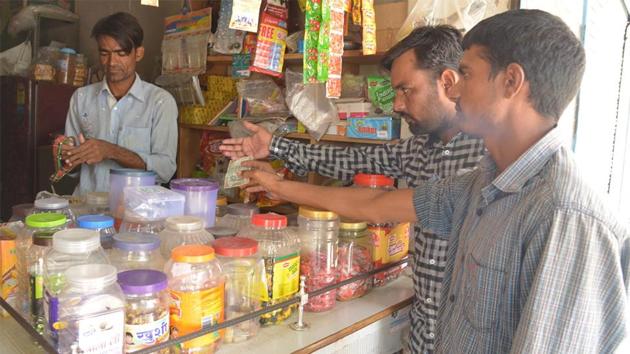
[448, 79]
[514, 80]
[139, 53]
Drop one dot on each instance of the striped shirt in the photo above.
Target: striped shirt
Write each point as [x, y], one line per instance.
[537, 263]
[413, 160]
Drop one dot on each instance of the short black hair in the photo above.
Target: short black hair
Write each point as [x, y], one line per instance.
[121, 26]
[436, 47]
[551, 56]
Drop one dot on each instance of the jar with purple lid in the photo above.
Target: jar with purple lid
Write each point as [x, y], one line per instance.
[146, 308]
[201, 197]
[133, 250]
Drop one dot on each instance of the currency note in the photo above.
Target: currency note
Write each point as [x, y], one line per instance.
[232, 176]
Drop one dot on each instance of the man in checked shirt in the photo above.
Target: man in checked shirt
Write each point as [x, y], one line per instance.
[423, 70]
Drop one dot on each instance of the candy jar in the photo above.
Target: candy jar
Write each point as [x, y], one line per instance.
[355, 258]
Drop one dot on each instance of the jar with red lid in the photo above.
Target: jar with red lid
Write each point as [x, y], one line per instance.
[390, 241]
[243, 271]
[279, 247]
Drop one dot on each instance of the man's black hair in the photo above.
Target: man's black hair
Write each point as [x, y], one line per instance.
[436, 48]
[550, 54]
[121, 26]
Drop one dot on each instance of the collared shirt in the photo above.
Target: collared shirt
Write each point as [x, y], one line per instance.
[414, 160]
[537, 263]
[143, 121]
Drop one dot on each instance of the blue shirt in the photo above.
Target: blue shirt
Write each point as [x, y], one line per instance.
[143, 121]
[536, 264]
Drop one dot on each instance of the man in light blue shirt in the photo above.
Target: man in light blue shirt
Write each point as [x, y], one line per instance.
[121, 121]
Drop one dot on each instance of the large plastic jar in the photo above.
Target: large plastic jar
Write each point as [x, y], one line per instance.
[55, 205]
[42, 225]
[197, 289]
[35, 265]
[238, 215]
[136, 251]
[244, 271]
[103, 224]
[44, 67]
[97, 203]
[91, 311]
[183, 230]
[66, 63]
[355, 258]
[201, 197]
[80, 70]
[319, 231]
[279, 247]
[146, 308]
[134, 223]
[70, 248]
[390, 240]
[125, 177]
[220, 232]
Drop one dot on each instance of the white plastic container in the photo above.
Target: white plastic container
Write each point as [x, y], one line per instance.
[201, 197]
[153, 202]
[124, 177]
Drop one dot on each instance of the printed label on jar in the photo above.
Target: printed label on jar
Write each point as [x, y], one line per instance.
[51, 310]
[102, 333]
[37, 294]
[192, 310]
[397, 243]
[145, 335]
[379, 242]
[286, 276]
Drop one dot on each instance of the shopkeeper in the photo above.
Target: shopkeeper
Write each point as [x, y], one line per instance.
[121, 121]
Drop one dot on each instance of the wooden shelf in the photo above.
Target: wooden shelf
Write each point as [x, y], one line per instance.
[349, 56]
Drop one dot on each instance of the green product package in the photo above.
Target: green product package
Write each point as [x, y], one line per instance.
[313, 19]
[381, 93]
[323, 43]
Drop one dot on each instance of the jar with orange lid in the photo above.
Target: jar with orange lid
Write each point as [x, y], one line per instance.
[196, 286]
[389, 240]
[279, 247]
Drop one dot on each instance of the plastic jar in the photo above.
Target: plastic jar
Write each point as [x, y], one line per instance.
[201, 197]
[80, 70]
[221, 207]
[355, 258]
[134, 223]
[97, 203]
[136, 251]
[44, 68]
[220, 232]
[55, 205]
[70, 248]
[238, 215]
[183, 230]
[319, 231]
[103, 224]
[146, 308]
[197, 289]
[119, 178]
[66, 63]
[35, 265]
[91, 311]
[279, 248]
[390, 240]
[244, 271]
[20, 211]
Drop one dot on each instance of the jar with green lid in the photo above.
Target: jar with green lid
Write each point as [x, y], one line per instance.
[279, 247]
[355, 258]
[319, 231]
[55, 205]
[35, 265]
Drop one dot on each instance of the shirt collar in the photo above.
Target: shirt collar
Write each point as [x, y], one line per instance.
[136, 90]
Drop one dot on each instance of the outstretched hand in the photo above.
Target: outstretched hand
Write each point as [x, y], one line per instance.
[256, 146]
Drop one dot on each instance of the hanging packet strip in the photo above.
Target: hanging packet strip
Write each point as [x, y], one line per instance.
[369, 27]
[313, 19]
[335, 61]
[270, 47]
[356, 12]
[245, 15]
[323, 43]
[228, 41]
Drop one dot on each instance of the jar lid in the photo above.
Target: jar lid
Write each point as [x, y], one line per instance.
[242, 209]
[52, 203]
[94, 222]
[97, 198]
[269, 221]
[43, 220]
[221, 201]
[352, 225]
[184, 223]
[131, 172]
[91, 276]
[364, 179]
[316, 214]
[192, 254]
[221, 231]
[68, 51]
[136, 241]
[76, 241]
[235, 246]
[142, 281]
[194, 185]
[42, 240]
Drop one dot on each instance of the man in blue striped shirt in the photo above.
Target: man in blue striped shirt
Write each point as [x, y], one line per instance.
[537, 263]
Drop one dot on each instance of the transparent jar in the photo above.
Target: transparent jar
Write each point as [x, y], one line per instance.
[103, 224]
[97, 203]
[80, 70]
[201, 197]
[244, 271]
[197, 286]
[319, 231]
[20, 211]
[66, 63]
[220, 232]
[279, 248]
[238, 216]
[221, 207]
[35, 265]
[146, 308]
[355, 258]
[44, 68]
[133, 223]
[91, 311]
[42, 225]
[70, 248]
[136, 251]
[390, 240]
[55, 205]
[183, 230]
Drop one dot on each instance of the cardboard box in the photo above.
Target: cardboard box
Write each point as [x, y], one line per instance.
[390, 16]
[380, 128]
[353, 110]
[8, 270]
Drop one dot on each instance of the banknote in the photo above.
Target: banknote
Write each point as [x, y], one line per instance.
[232, 176]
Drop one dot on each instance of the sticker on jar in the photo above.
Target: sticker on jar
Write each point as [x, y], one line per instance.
[102, 333]
[286, 276]
[51, 310]
[192, 310]
[145, 335]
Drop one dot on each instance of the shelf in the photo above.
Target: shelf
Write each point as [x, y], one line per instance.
[301, 136]
[349, 56]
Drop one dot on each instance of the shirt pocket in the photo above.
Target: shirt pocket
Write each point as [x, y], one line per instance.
[484, 289]
[135, 139]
